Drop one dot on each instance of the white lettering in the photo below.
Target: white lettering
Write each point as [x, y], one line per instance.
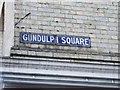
[39, 38]
[47, 39]
[73, 40]
[63, 40]
[68, 40]
[43, 38]
[77, 41]
[25, 38]
[82, 41]
[57, 39]
[51, 38]
[29, 37]
[87, 41]
[34, 38]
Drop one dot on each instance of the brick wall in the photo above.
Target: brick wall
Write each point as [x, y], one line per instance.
[97, 20]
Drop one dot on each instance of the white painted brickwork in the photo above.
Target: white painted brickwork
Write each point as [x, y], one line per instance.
[36, 64]
[96, 20]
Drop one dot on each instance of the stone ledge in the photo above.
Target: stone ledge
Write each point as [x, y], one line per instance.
[68, 55]
[81, 51]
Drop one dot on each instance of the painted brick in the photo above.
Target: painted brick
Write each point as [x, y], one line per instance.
[97, 20]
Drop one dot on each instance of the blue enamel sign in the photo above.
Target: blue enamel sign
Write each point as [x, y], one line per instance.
[39, 38]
